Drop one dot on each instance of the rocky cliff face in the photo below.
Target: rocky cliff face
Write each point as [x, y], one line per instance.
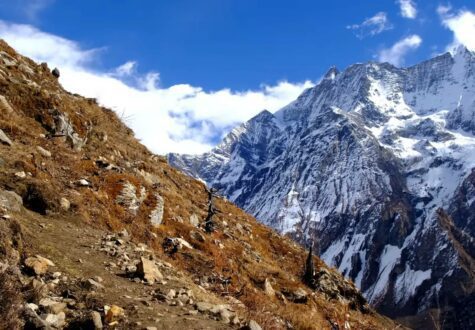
[376, 164]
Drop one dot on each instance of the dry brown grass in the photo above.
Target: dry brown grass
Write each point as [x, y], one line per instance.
[10, 300]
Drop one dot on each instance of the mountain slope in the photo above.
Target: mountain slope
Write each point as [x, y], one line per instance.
[374, 163]
[118, 226]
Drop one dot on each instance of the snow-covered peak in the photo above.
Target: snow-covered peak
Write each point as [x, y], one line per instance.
[366, 163]
[331, 73]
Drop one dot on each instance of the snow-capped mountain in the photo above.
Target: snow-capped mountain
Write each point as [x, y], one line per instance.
[377, 164]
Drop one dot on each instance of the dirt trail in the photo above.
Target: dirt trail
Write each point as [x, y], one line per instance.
[72, 246]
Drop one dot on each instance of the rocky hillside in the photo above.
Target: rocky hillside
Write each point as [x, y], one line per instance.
[376, 164]
[96, 231]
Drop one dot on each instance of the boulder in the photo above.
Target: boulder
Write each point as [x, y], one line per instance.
[147, 269]
[4, 139]
[38, 264]
[10, 201]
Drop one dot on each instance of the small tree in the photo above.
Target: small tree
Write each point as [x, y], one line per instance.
[309, 275]
[209, 223]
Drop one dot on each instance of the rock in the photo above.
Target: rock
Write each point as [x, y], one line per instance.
[55, 72]
[299, 296]
[43, 152]
[268, 289]
[46, 302]
[96, 320]
[83, 183]
[171, 294]
[55, 320]
[124, 233]
[20, 174]
[56, 308]
[130, 198]
[197, 236]
[130, 269]
[40, 288]
[176, 243]
[114, 313]
[235, 320]
[33, 321]
[147, 270]
[194, 220]
[4, 139]
[65, 204]
[11, 201]
[225, 315]
[253, 325]
[90, 284]
[156, 216]
[38, 264]
[63, 126]
[203, 307]
[5, 105]
[32, 306]
[98, 279]
[151, 328]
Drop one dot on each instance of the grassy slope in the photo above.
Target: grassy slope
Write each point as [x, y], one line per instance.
[241, 249]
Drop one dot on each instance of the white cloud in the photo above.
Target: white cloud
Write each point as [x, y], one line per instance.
[180, 118]
[44, 47]
[126, 69]
[372, 26]
[395, 54]
[462, 24]
[408, 8]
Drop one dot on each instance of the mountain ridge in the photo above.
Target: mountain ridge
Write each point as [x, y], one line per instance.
[368, 162]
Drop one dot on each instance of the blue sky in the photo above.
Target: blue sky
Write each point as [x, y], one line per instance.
[233, 58]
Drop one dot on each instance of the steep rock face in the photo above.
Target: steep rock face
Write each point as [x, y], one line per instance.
[374, 163]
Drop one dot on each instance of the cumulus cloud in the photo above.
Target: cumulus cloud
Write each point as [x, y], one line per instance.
[395, 54]
[408, 9]
[180, 118]
[462, 24]
[372, 26]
